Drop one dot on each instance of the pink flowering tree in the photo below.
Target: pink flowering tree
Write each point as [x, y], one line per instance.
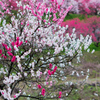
[87, 26]
[80, 27]
[90, 7]
[94, 25]
[35, 55]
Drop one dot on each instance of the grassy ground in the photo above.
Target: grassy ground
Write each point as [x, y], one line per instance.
[87, 92]
[80, 16]
[91, 89]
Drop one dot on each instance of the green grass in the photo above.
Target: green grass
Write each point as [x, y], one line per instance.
[86, 93]
[80, 16]
[92, 58]
[71, 16]
[94, 46]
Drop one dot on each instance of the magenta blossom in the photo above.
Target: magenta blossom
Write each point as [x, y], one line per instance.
[13, 59]
[50, 65]
[60, 93]
[9, 53]
[39, 86]
[43, 92]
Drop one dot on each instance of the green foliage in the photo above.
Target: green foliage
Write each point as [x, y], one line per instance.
[1, 65]
[80, 16]
[1, 23]
[93, 46]
[8, 19]
[71, 16]
[20, 51]
[14, 12]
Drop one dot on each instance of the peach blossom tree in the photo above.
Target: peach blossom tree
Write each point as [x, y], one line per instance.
[35, 56]
[87, 26]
